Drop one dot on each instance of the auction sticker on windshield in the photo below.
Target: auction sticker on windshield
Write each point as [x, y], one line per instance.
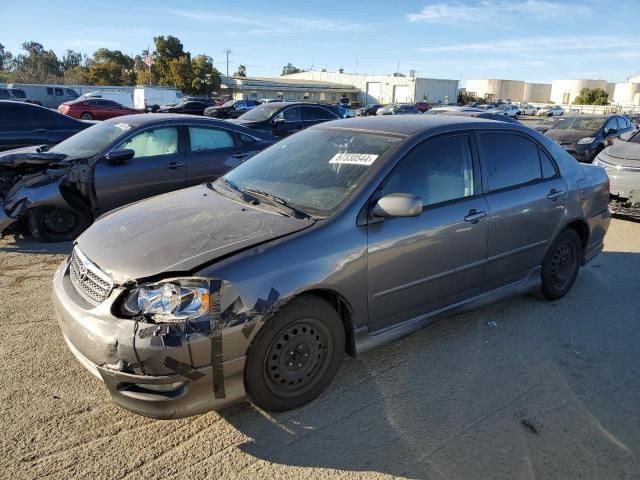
[365, 159]
[123, 126]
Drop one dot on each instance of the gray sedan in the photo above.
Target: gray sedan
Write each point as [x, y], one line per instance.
[342, 237]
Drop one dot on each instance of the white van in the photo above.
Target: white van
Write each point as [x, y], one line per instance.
[150, 98]
[50, 96]
[123, 98]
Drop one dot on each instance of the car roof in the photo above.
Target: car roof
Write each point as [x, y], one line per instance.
[140, 119]
[412, 124]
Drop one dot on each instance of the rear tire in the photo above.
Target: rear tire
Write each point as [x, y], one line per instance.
[53, 224]
[560, 266]
[86, 116]
[295, 355]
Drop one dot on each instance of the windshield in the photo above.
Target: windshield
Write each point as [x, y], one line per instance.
[314, 170]
[261, 112]
[91, 141]
[588, 124]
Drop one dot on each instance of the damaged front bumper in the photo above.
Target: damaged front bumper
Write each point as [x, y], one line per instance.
[145, 370]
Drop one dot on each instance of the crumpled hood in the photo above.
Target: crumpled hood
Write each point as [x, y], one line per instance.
[178, 231]
[625, 153]
[567, 135]
[28, 156]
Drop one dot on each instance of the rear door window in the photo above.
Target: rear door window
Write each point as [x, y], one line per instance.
[317, 113]
[510, 160]
[15, 117]
[291, 114]
[203, 139]
[4, 94]
[623, 124]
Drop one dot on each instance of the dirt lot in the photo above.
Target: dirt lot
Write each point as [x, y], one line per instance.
[521, 389]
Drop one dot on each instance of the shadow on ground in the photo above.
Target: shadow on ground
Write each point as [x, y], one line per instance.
[519, 389]
[20, 243]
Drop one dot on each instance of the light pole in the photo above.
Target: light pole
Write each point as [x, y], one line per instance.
[227, 51]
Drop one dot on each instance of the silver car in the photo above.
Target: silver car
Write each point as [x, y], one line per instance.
[342, 237]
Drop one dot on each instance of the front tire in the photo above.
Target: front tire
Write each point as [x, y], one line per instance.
[295, 355]
[86, 116]
[560, 266]
[53, 224]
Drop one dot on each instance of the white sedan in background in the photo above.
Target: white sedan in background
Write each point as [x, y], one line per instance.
[526, 109]
[551, 111]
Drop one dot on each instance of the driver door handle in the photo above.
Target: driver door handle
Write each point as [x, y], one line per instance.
[239, 155]
[555, 194]
[474, 216]
[174, 165]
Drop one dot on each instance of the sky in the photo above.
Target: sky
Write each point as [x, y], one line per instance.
[531, 40]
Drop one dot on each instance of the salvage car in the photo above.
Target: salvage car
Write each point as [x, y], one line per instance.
[546, 124]
[340, 237]
[285, 118]
[190, 107]
[231, 109]
[398, 109]
[59, 191]
[25, 124]
[622, 162]
[550, 111]
[367, 110]
[584, 136]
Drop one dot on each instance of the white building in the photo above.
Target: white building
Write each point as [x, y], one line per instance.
[627, 93]
[537, 92]
[564, 92]
[282, 88]
[385, 89]
[496, 89]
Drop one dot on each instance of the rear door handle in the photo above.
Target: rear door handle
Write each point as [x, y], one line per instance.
[239, 155]
[474, 216]
[174, 165]
[555, 194]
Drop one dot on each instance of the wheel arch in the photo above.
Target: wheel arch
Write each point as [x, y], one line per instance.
[582, 229]
[342, 307]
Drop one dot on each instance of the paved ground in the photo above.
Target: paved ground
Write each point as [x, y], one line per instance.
[520, 390]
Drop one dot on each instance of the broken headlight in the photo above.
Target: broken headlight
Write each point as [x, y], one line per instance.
[169, 301]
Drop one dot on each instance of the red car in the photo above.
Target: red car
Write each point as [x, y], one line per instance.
[422, 106]
[94, 109]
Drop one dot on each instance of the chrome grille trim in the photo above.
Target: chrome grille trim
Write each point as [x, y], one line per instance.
[89, 281]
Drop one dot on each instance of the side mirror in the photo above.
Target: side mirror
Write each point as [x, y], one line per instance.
[398, 205]
[277, 122]
[119, 156]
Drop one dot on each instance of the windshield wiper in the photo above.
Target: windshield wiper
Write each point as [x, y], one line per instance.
[278, 201]
[236, 190]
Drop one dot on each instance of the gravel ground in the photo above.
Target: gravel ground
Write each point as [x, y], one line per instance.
[521, 389]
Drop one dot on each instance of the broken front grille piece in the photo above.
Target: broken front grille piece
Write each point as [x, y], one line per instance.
[89, 281]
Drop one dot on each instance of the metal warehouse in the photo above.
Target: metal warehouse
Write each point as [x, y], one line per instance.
[388, 88]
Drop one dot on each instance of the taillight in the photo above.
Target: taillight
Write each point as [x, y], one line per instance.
[607, 184]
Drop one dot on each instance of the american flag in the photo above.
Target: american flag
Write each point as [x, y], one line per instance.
[148, 60]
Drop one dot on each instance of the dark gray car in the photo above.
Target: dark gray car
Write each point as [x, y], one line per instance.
[60, 190]
[345, 236]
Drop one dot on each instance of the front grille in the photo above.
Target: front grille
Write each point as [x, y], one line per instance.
[89, 281]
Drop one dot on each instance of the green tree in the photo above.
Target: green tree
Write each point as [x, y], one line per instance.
[37, 65]
[77, 75]
[169, 51]
[111, 67]
[241, 72]
[206, 78]
[5, 58]
[288, 69]
[71, 60]
[180, 73]
[592, 96]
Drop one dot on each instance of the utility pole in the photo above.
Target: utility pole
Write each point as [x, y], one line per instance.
[227, 51]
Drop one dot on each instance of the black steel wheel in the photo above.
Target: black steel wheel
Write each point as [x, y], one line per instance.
[53, 224]
[560, 266]
[295, 355]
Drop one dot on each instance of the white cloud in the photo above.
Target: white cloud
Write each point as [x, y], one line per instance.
[264, 25]
[538, 46]
[488, 11]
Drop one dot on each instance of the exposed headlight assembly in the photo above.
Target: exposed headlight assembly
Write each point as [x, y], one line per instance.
[176, 299]
[586, 140]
